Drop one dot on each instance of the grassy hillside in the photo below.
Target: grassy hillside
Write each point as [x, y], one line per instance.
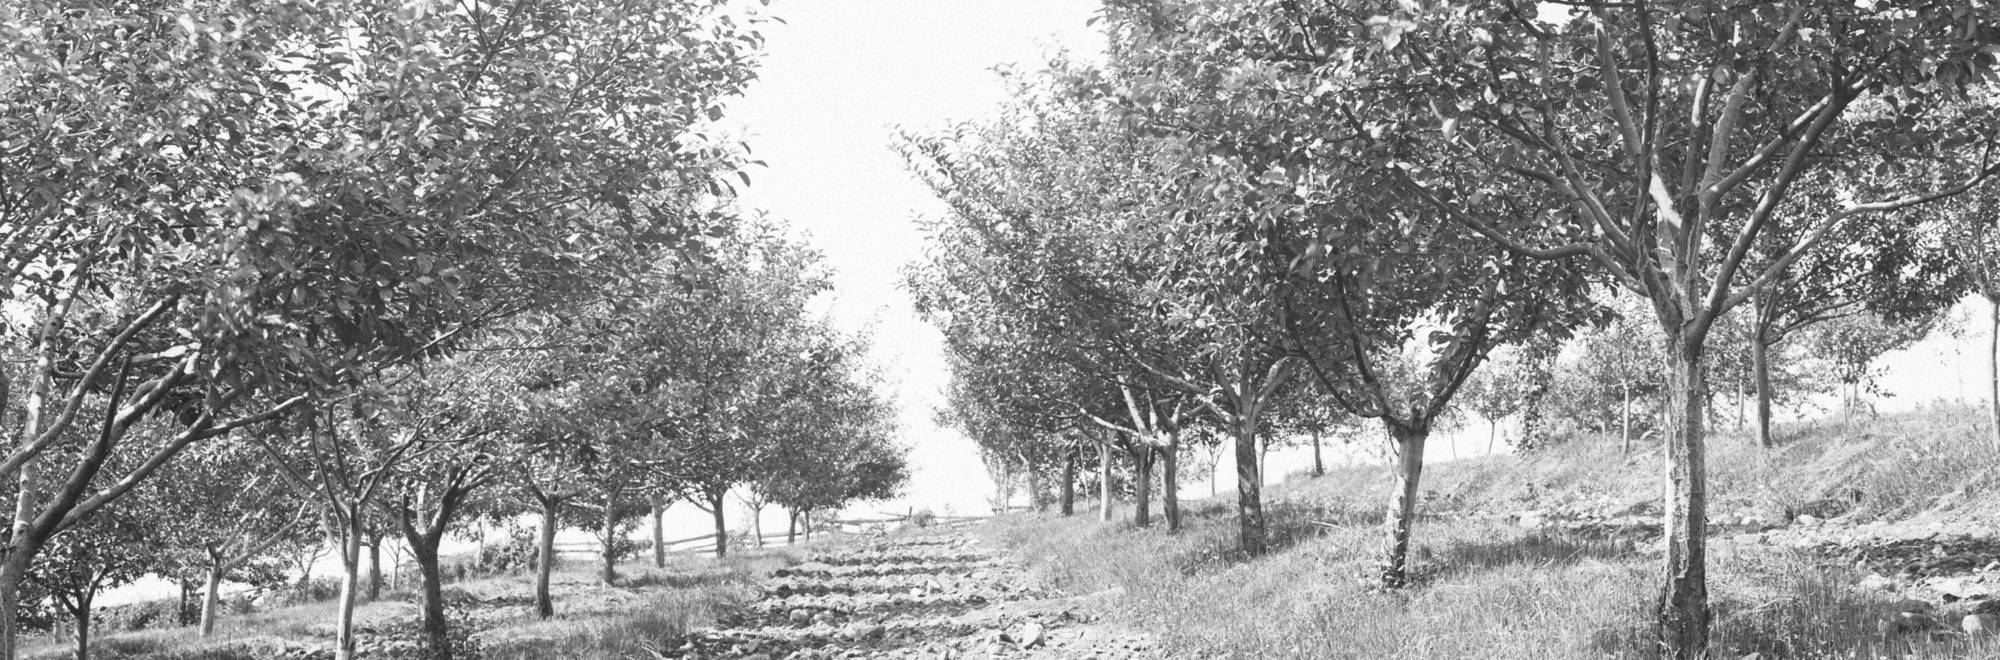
[1544, 556]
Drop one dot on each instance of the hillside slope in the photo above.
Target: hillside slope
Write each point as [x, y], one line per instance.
[1818, 548]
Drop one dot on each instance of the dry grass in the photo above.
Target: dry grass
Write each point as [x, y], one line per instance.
[1488, 589]
[651, 608]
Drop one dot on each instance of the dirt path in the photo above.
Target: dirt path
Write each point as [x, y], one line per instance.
[937, 593]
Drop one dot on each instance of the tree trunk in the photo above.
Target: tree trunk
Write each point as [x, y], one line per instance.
[211, 601]
[610, 573]
[436, 628]
[1250, 534]
[1170, 483]
[791, 526]
[721, 526]
[375, 568]
[1142, 485]
[1683, 605]
[1760, 367]
[1625, 415]
[1409, 448]
[1993, 366]
[1492, 434]
[1069, 483]
[659, 534]
[545, 606]
[350, 584]
[1319, 467]
[83, 630]
[1104, 481]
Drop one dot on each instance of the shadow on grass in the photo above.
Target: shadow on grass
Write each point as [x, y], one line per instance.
[1461, 558]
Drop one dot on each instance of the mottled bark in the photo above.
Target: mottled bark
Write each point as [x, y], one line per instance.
[1069, 483]
[1409, 448]
[1683, 604]
[1250, 533]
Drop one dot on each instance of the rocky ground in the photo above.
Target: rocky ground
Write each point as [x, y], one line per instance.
[933, 593]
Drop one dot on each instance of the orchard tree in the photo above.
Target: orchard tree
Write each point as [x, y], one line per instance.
[1677, 138]
[412, 176]
[1387, 305]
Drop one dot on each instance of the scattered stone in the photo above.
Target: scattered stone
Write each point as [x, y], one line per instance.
[1031, 636]
[1807, 520]
[1980, 625]
[800, 617]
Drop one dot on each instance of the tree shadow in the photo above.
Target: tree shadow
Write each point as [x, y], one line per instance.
[1461, 558]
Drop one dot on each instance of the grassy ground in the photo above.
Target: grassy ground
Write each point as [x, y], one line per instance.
[1488, 588]
[593, 622]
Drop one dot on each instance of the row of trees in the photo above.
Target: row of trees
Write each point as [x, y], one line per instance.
[1355, 203]
[374, 268]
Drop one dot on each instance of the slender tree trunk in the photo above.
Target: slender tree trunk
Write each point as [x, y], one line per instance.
[545, 605]
[1142, 485]
[1993, 369]
[1170, 483]
[1683, 605]
[659, 534]
[350, 583]
[610, 572]
[1319, 467]
[1250, 533]
[1492, 434]
[1409, 449]
[791, 526]
[757, 525]
[1069, 483]
[1760, 366]
[211, 601]
[1105, 483]
[721, 525]
[375, 568]
[1625, 415]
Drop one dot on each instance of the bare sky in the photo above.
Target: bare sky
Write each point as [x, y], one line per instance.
[839, 79]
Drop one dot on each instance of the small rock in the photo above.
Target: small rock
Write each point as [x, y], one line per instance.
[800, 617]
[1807, 520]
[1979, 625]
[1031, 636]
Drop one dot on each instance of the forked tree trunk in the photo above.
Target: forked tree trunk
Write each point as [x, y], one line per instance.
[1683, 604]
[545, 551]
[1104, 483]
[1409, 449]
[1069, 483]
[1142, 484]
[1250, 533]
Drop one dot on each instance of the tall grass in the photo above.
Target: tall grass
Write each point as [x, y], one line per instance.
[1486, 588]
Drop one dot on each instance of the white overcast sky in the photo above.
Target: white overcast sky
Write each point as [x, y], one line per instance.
[840, 77]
